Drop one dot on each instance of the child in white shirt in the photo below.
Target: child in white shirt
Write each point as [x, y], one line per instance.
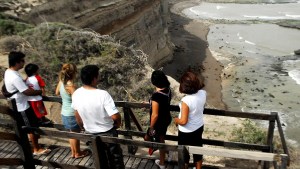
[35, 82]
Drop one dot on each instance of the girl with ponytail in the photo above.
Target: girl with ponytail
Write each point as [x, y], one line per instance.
[65, 88]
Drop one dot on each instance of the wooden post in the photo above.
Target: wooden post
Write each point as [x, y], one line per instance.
[270, 137]
[181, 156]
[131, 149]
[22, 138]
[135, 120]
[99, 154]
[284, 161]
[281, 134]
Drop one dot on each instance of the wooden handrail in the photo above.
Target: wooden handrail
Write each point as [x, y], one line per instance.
[231, 153]
[208, 111]
[273, 117]
[87, 137]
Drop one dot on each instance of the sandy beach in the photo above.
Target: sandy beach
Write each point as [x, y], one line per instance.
[191, 51]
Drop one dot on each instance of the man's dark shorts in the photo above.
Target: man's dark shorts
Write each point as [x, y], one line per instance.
[27, 118]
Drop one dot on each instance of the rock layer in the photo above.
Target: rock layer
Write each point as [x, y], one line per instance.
[138, 23]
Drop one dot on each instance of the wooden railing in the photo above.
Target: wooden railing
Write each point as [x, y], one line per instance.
[266, 150]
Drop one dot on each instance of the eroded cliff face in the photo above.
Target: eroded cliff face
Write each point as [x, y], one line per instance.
[138, 23]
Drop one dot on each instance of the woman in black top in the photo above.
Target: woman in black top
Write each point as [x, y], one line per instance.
[160, 116]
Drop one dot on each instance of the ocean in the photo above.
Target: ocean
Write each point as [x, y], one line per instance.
[261, 72]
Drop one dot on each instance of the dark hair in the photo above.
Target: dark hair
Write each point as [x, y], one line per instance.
[31, 69]
[88, 73]
[159, 79]
[15, 57]
[190, 83]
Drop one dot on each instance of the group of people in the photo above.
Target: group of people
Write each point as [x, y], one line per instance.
[93, 110]
[190, 120]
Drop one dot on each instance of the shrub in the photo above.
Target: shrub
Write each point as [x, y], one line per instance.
[51, 44]
[249, 133]
[12, 26]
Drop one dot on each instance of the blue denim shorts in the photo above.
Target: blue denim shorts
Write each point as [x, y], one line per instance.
[70, 123]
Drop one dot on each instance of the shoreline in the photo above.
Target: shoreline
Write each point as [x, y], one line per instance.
[191, 48]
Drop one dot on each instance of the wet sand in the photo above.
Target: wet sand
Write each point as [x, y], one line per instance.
[191, 52]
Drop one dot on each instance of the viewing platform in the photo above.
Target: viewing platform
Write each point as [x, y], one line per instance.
[15, 151]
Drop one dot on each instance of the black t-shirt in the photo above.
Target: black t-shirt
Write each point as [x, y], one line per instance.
[163, 98]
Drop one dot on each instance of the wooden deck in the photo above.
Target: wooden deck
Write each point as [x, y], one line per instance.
[10, 149]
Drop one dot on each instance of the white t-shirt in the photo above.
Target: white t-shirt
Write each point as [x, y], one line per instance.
[13, 82]
[95, 108]
[33, 83]
[196, 104]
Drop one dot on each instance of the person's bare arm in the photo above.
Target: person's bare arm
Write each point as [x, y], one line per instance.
[57, 88]
[184, 115]
[78, 119]
[31, 92]
[117, 119]
[154, 115]
[70, 88]
[43, 91]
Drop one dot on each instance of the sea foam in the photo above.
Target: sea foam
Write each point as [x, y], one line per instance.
[295, 74]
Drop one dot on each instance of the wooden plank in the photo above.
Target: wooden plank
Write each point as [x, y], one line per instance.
[206, 141]
[78, 160]
[136, 121]
[52, 99]
[129, 162]
[240, 154]
[143, 163]
[149, 164]
[125, 159]
[258, 116]
[62, 156]
[136, 163]
[67, 157]
[175, 108]
[4, 144]
[59, 134]
[8, 136]
[57, 154]
[207, 111]
[50, 155]
[14, 148]
[11, 161]
[85, 160]
[90, 162]
[6, 149]
[70, 161]
[18, 152]
[283, 142]
[284, 161]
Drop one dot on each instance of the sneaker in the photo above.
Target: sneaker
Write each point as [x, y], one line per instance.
[160, 166]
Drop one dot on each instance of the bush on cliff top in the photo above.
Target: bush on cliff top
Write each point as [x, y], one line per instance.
[11, 26]
[51, 44]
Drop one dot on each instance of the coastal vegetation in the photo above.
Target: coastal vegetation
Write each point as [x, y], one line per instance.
[51, 44]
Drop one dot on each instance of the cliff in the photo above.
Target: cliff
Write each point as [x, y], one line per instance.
[141, 24]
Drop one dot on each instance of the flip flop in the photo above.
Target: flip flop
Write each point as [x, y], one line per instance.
[85, 153]
[44, 152]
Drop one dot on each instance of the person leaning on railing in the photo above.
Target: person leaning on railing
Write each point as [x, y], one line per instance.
[96, 112]
[190, 120]
[14, 82]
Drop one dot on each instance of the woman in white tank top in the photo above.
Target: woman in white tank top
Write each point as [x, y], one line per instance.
[190, 120]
